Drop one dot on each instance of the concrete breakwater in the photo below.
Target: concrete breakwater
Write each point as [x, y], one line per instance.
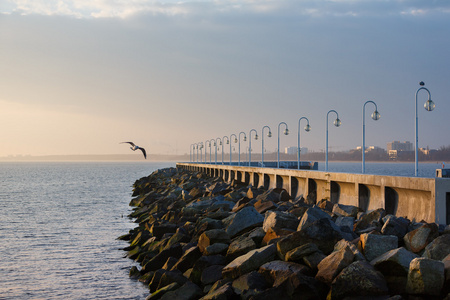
[199, 237]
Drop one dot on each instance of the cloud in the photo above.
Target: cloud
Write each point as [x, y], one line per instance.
[123, 9]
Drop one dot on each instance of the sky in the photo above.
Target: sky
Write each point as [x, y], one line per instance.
[79, 77]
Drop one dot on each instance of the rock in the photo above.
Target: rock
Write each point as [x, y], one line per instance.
[249, 284]
[264, 206]
[273, 235]
[279, 220]
[171, 276]
[395, 226]
[188, 291]
[446, 262]
[160, 259]
[244, 220]
[346, 222]
[372, 219]
[419, 238]
[159, 230]
[159, 293]
[310, 216]
[277, 271]
[313, 260]
[216, 248]
[346, 244]
[202, 263]
[324, 233]
[240, 246]
[223, 292]
[425, 277]
[249, 262]
[394, 265]
[188, 259]
[333, 264]
[358, 279]
[210, 237]
[325, 205]
[211, 274]
[269, 195]
[374, 245]
[345, 210]
[297, 254]
[439, 248]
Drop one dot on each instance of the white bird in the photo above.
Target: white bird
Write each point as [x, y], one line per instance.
[135, 147]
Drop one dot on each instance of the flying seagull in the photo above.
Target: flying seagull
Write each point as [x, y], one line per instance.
[135, 147]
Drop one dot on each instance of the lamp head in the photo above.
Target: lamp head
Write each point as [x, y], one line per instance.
[429, 105]
[422, 83]
[269, 134]
[256, 137]
[286, 131]
[228, 141]
[245, 138]
[307, 128]
[235, 140]
[376, 115]
[337, 122]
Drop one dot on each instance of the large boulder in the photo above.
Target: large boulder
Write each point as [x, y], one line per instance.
[439, 248]
[240, 246]
[370, 221]
[394, 265]
[249, 284]
[212, 236]
[395, 226]
[310, 216]
[277, 271]
[188, 291]
[249, 262]
[359, 279]
[345, 210]
[279, 219]
[418, 239]
[333, 264]
[242, 221]
[374, 245]
[425, 277]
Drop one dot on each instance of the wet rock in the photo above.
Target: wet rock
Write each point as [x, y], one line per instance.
[374, 245]
[394, 265]
[425, 277]
[244, 220]
[359, 279]
[279, 220]
[439, 248]
[418, 239]
[249, 262]
[333, 264]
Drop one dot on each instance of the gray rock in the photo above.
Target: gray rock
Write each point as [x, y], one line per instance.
[249, 262]
[359, 279]
[277, 271]
[333, 264]
[345, 210]
[216, 248]
[374, 245]
[347, 222]
[244, 220]
[369, 220]
[439, 248]
[425, 277]
[211, 274]
[188, 291]
[279, 220]
[310, 216]
[346, 244]
[249, 284]
[418, 239]
[395, 226]
[240, 246]
[223, 292]
[212, 236]
[297, 254]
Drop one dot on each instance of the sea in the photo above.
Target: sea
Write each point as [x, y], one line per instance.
[59, 223]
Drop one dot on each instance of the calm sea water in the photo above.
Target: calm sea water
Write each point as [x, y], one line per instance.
[59, 223]
[58, 228]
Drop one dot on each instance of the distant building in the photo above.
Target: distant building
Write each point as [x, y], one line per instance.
[399, 146]
[372, 149]
[293, 150]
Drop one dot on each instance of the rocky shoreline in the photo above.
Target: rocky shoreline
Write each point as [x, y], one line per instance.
[201, 238]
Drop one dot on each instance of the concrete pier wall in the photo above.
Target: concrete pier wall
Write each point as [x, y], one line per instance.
[417, 199]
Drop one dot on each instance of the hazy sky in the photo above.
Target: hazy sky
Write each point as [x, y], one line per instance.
[78, 77]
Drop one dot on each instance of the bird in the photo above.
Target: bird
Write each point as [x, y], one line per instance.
[135, 147]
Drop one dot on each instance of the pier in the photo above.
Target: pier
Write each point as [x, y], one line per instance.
[416, 198]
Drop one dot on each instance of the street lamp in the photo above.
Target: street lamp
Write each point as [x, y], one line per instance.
[190, 152]
[235, 141]
[239, 154]
[210, 150]
[269, 134]
[376, 116]
[215, 144]
[228, 141]
[336, 123]
[200, 148]
[250, 146]
[307, 129]
[286, 132]
[429, 106]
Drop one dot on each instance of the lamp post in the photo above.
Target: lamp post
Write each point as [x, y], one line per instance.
[228, 141]
[201, 147]
[250, 146]
[336, 123]
[215, 144]
[239, 154]
[307, 129]
[376, 116]
[235, 141]
[429, 106]
[269, 134]
[190, 152]
[286, 132]
[210, 150]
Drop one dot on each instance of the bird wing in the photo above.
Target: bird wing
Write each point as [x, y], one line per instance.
[143, 151]
[131, 143]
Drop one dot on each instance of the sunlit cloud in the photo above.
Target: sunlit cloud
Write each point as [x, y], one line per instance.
[317, 8]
